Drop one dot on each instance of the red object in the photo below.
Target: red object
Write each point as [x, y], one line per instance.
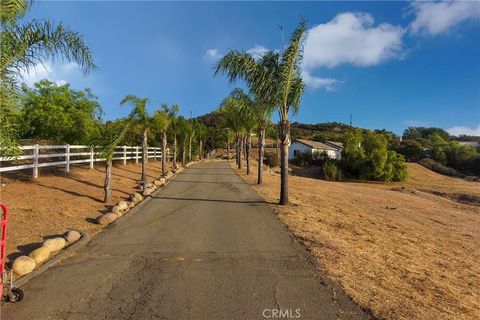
[3, 243]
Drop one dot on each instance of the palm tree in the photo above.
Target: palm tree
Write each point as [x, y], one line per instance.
[201, 130]
[160, 122]
[24, 46]
[110, 137]
[229, 138]
[230, 109]
[246, 111]
[183, 127]
[139, 116]
[174, 129]
[274, 79]
[191, 130]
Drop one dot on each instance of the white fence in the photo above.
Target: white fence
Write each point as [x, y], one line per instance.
[40, 156]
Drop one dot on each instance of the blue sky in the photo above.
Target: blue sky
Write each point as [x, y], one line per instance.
[390, 64]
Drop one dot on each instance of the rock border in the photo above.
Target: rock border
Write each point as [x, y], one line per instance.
[71, 248]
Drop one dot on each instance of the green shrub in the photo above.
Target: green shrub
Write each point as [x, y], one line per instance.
[272, 159]
[440, 168]
[366, 156]
[303, 160]
[330, 171]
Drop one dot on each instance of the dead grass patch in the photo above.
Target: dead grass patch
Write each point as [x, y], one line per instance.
[403, 255]
[58, 201]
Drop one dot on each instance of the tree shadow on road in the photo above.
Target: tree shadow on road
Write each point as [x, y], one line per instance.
[215, 200]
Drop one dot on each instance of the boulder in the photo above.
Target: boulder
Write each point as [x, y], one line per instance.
[72, 236]
[138, 196]
[117, 210]
[148, 191]
[40, 254]
[131, 204]
[157, 183]
[149, 185]
[169, 175]
[123, 205]
[23, 265]
[55, 244]
[107, 218]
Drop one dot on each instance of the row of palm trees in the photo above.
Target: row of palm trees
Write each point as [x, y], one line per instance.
[163, 121]
[274, 82]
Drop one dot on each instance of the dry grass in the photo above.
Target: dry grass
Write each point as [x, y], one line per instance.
[403, 250]
[56, 201]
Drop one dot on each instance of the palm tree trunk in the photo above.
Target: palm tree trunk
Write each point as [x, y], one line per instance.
[276, 146]
[174, 160]
[144, 158]
[164, 154]
[107, 186]
[237, 150]
[261, 137]
[201, 147]
[285, 135]
[190, 149]
[248, 148]
[228, 151]
[240, 151]
[184, 153]
[244, 144]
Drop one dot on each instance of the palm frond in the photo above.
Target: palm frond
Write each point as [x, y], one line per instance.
[11, 10]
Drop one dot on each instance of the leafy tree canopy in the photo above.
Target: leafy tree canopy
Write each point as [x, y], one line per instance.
[59, 113]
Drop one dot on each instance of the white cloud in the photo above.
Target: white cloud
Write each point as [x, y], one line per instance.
[212, 54]
[459, 130]
[313, 82]
[58, 73]
[351, 38]
[257, 51]
[416, 123]
[437, 17]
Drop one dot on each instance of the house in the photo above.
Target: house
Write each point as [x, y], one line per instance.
[315, 148]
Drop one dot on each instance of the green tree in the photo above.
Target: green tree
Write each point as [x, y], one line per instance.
[139, 117]
[411, 149]
[59, 113]
[274, 79]
[24, 46]
[366, 156]
[109, 137]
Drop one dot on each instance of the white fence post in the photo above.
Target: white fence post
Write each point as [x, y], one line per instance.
[35, 162]
[155, 153]
[136, 154]
[124, 155]
[67, 158]
[91, 158]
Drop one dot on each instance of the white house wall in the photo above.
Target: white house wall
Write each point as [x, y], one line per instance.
[333, 154]
[298, 146]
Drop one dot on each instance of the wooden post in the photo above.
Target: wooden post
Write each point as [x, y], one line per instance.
[136, 154]
[35, 161]
[91, 158]
[124, 155]
[67, 158]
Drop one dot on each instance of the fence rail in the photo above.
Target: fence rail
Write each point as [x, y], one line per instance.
[50, 154]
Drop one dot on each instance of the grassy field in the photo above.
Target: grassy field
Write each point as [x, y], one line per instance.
[403, 250]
